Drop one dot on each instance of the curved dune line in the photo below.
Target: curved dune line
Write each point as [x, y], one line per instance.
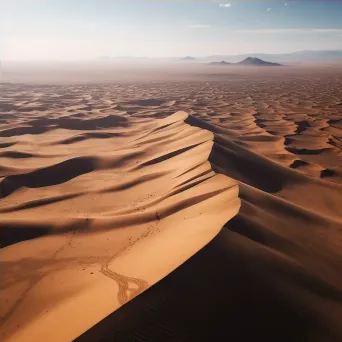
[159, 202]
[79, 248]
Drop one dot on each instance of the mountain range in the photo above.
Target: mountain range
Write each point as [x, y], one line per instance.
[249, 61]
[294, 57]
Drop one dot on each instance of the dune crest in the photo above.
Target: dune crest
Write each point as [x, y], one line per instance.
[98, 216]
[83, 163]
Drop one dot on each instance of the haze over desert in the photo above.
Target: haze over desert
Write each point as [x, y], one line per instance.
[108, 187]
[170, 171]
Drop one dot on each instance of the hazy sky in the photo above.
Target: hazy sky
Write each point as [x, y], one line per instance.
[85, 29]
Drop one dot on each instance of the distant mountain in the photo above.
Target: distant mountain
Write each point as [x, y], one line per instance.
[294, 57]
[188, 58]
[315, 56]
[249, 61]
[253, 61]
[329, 56]
[220, 63]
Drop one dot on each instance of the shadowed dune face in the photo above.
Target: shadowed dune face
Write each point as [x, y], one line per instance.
[102, 204]
[90, 192]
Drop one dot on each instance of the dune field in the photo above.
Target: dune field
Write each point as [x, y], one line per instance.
[174, 204]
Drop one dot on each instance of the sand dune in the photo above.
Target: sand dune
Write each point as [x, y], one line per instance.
[86, 215]
[108, 188]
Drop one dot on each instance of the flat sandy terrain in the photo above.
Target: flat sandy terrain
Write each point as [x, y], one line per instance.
[112, 178]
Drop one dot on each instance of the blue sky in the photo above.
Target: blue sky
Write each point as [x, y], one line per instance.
[85, 29]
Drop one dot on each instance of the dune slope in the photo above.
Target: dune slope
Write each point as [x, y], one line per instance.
[90, 218]
[272, 274]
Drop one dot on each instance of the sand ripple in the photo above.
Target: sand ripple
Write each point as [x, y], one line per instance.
[99, 182]
[96, 209]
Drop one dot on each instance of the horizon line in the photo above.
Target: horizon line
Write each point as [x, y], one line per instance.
[111, 57]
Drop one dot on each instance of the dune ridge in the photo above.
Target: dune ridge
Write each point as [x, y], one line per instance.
[272, 273]
[96, 225]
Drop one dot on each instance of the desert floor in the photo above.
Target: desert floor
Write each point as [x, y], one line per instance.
[115, 183]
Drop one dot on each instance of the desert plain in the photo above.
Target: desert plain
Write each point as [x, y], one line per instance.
[170, 203]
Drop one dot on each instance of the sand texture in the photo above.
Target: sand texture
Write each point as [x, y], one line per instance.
[107, 188]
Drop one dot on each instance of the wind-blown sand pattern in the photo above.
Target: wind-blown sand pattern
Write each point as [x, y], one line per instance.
[113, 161]
[95, 208]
